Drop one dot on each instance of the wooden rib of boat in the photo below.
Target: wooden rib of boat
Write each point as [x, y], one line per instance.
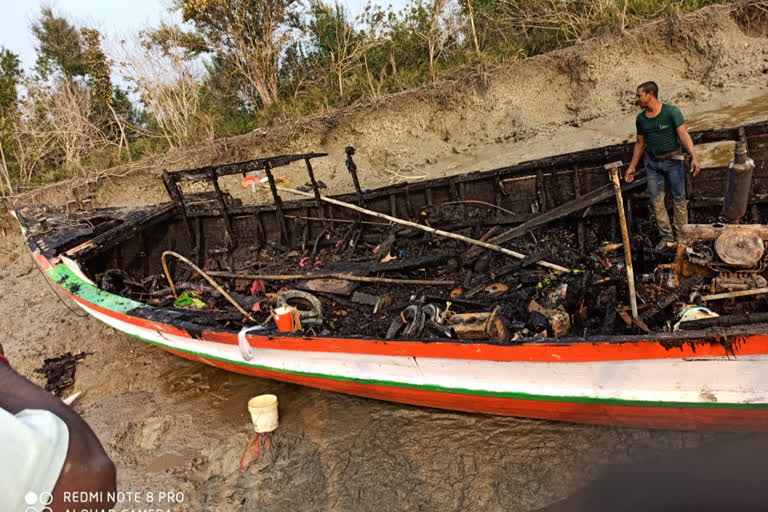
[689, 379]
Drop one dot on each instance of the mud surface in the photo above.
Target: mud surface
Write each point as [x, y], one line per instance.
[171, 424]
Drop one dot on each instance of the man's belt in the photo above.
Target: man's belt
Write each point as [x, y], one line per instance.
[674, 155]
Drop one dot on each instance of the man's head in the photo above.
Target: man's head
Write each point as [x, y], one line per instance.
[646, 92]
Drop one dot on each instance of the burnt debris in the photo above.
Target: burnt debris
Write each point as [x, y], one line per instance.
[60, 371]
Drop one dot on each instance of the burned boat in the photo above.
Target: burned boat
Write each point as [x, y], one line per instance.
[500, 292]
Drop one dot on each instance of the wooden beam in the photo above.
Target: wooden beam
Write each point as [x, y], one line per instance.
[243, 167]
[588, 199]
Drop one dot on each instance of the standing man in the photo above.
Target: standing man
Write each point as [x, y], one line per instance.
[661, 133]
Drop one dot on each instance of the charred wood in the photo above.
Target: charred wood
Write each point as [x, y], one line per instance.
[589, 199]
[725, 321]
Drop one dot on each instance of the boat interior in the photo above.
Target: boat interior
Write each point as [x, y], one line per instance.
[533, 251]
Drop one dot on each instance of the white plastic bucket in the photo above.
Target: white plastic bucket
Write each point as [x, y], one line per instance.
[263, 409]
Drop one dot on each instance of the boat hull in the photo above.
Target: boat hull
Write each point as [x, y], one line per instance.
[695, 384]
[660, 416]
[704, 380]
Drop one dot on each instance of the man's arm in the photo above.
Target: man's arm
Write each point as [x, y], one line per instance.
[687, 142]
[636, 155]
[87, 467]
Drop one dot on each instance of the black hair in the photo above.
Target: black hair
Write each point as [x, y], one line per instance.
[649, 88]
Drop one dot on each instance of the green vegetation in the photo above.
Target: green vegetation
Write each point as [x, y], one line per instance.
[236, 65]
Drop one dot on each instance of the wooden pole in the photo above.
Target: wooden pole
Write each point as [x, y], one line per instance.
[315, 186]
[428, 229]
[613, 171]
[278, 204]
[345, 277]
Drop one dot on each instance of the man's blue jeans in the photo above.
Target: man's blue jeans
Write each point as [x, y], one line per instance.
[671, 172]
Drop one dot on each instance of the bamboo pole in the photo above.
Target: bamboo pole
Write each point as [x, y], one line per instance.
[340, 221]
[613, 171]
[428, 229]
[346, 277]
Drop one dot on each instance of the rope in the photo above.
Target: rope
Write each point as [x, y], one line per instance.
[246, 351]
[53, 290]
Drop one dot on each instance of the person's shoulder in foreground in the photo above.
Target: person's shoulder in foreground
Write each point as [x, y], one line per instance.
[47, 451]
[32, 455]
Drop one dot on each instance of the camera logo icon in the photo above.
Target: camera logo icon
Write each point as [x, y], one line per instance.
[32, 498]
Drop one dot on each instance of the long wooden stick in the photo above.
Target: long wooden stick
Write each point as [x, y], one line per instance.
[207, 277]
[613, 171]
[346, 277]
[428, 229]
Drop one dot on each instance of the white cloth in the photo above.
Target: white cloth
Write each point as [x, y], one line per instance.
[33, 448]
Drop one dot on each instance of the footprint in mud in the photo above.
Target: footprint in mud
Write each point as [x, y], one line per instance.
[376, 472]
[525, 485]
[288, 476]
[148, 434]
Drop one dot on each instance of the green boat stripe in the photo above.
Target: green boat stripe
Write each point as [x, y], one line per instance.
[64, 277]
[475, 392]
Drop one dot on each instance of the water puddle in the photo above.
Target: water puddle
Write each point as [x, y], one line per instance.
[223, 392]
[165, 461]
[715, 154]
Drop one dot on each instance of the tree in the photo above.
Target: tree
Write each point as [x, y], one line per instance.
[340, 46]
[10, 72]
[249, 34]
[168, 81]
[74, 82]
[95, 64]
[434, 22]
[98, 70]
[59, 46]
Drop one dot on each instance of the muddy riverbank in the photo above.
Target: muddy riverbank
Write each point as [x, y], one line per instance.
[175, 425]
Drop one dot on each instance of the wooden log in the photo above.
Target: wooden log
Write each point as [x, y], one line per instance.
[613, 171]
[724, 321]
[712, 231]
